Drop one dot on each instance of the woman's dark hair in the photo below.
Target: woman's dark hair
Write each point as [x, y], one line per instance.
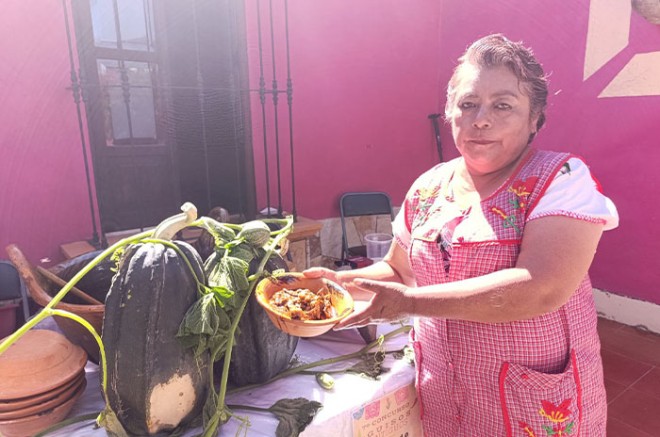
[497, 50]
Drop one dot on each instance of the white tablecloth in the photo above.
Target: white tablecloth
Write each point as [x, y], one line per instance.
[333, 420]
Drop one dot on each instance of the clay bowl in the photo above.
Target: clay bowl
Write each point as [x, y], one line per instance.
[39, 289]
[38, 362]
[341, 299]
[31, 425]
[17, 404]
[48, 404]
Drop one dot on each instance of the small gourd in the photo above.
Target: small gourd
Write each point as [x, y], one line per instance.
[255, 233]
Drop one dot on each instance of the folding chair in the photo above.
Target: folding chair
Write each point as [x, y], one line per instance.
[356, 204]
[12, 287]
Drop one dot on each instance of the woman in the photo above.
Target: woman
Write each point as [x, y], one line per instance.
[491, 253]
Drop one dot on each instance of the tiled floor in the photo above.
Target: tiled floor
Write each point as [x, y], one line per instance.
[631, 359]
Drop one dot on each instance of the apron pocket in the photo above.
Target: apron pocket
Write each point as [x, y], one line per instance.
[537, 404]
[434, 383]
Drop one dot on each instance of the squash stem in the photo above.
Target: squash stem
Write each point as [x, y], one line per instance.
[211, 429]
[97, 337]
[325, 362]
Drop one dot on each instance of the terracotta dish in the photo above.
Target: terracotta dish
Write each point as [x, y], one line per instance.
[31, 425]
[39, 361]
[341, 299]
[48, 404]
[15, 404]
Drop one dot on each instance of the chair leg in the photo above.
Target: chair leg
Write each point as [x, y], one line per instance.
[25, 303]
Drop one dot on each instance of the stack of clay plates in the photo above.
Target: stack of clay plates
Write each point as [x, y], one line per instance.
[43, 374]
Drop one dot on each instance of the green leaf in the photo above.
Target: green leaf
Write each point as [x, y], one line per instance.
[233, 274]
[242, 251]
[205, 325]
[222, 294]
[569, 427]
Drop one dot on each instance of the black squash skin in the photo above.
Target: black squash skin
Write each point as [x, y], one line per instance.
[96, 282]
[261, 351]
[147, 301]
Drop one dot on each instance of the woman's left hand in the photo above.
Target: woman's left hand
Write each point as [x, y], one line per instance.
[390, 301]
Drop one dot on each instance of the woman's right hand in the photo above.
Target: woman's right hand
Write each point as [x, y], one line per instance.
[343, 277]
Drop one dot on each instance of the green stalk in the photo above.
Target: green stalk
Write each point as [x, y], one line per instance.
[324, 362]
[248, 408]
[212, 428]
[45, 312]
[338, 371]
[97, 337]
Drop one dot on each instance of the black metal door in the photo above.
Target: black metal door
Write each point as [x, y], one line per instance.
[166, 116]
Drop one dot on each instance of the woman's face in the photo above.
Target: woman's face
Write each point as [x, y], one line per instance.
[491, 121]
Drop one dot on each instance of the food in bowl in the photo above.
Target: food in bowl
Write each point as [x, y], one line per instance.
[304, 304]
[338, 303]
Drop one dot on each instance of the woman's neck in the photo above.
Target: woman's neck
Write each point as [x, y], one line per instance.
[485, 184]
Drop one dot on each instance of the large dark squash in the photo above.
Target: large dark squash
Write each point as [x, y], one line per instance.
[261, 350]
[154, 384]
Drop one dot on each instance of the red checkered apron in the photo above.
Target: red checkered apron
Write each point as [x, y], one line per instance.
[534, 377]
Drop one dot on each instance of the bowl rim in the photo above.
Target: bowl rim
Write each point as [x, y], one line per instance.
[261, 298]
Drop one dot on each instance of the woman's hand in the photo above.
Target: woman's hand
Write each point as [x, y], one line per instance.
[339, 278]
[390, 301]
[322, 272]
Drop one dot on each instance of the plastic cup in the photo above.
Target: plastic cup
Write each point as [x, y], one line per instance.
[377, 245]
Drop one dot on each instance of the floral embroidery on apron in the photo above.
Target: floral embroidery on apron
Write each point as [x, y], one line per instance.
[521, 190]
[558, 415]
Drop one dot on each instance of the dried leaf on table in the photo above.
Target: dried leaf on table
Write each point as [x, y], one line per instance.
[294, 415]
[371, 366]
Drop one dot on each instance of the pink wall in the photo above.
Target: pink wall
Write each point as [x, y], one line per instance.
[365, 77]
[43, 197]
[617, 136]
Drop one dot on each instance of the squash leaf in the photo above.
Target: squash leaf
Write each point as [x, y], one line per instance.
[205, 326]
[242, 251]
[230, 273]
[234, 272]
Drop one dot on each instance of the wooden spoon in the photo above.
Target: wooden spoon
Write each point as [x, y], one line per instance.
[75, 291]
